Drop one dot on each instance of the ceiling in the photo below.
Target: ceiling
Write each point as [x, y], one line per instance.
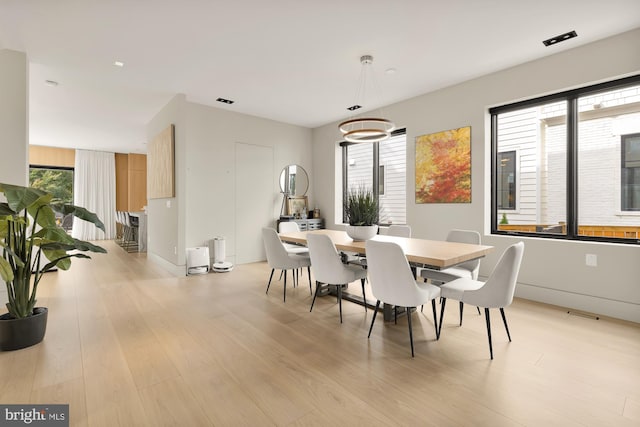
[294, 61]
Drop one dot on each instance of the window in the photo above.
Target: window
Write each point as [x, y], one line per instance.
[57, 182]
[507, 180]
[630, 182]
[568, 165]
[381, 166]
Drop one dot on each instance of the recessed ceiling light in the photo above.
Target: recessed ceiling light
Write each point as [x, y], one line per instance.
[118, 64]
[51, 83]
[560, 38]
[390, 71]
[225, 101]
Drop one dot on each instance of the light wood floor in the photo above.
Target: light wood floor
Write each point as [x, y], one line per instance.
[127, 344]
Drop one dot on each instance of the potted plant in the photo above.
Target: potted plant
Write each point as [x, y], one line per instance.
[32, 243]
[361, 211]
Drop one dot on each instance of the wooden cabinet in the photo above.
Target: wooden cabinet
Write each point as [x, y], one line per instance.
[307, 224]
[131, 182]
[52, 156]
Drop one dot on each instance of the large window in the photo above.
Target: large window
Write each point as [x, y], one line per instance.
[381, 167]
[59, 183]
[568, 165]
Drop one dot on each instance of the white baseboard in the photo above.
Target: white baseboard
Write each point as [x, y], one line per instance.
[591, 304]
[176, 270]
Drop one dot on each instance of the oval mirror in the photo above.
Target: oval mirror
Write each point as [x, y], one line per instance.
[294, 181]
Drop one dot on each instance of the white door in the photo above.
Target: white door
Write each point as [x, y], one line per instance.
[254, 200]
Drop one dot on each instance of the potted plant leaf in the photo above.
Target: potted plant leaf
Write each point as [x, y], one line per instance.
[361, 211]
[32, 243]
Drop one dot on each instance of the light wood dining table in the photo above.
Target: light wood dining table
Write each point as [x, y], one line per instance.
[434, 254]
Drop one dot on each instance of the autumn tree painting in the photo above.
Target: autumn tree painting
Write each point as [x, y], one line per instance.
[443, 167]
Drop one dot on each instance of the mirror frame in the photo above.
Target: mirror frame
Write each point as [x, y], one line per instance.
[283, 178]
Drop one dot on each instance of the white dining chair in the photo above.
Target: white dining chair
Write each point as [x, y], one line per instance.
[292, 248]
[292, 227]
[496, 292]
[399, 230]
[467, 269]
[392, 282]
[279, 258]
[328, 268]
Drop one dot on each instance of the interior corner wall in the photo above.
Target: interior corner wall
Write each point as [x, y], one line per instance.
[553, 271]
[165, 217]
[14, 117]
[210, 170]
[204, 202]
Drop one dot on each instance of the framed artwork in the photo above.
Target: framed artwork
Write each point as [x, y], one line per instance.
[296, 205]
[161, 165]
[443, 167]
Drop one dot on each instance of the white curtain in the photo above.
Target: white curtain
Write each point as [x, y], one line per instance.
[94, 188]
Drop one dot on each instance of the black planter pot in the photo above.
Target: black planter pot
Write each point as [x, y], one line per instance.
[21, 333]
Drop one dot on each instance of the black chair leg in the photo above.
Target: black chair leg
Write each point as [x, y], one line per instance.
[435, 318]
[315, 295]
[486, 315]
[364, 296]
[309, 274]
[410, 329]
[478, 308]
[444, 302]
[374, 318]
[270, 277]
[340, 301]
[504, 319]
[284, 299]
[461, 309]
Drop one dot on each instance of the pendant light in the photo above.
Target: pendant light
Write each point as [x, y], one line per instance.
[365, 129]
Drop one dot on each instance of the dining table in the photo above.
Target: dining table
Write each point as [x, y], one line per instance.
[420, 253]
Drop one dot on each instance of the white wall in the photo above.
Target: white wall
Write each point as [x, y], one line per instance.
[204, 206]
[165, 224]
[14, 122]
[552, 271]
[14, 117]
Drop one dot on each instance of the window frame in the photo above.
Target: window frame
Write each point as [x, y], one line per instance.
[381, 180]
[58, 168]
[515, 182]
[571, 98]
[624, 139]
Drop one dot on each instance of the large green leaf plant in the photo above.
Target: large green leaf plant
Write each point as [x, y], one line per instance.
[28, 229]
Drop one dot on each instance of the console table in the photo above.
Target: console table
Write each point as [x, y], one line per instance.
[305, 224]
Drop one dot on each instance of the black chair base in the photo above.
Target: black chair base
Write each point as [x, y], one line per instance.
[487, 320]
[339, 296]
[409, 310]
[294, 275]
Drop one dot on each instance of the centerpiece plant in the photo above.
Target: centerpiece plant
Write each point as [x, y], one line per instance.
[361, 210]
